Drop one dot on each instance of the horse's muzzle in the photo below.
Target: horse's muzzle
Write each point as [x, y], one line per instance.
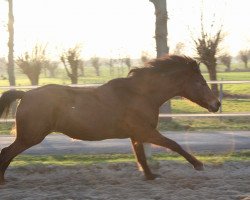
[214, 107]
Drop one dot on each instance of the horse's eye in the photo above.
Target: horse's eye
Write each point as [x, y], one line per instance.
[201, 83]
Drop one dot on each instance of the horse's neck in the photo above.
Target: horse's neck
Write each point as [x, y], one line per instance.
[158, 92]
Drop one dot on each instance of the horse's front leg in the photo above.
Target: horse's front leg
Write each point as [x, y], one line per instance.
[156, 138]
[141, 159]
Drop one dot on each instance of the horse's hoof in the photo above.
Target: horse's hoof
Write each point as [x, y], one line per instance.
[152, 176]
[199, 167]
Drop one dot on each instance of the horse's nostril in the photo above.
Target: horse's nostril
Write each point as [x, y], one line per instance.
[214, 107]
[218, 104]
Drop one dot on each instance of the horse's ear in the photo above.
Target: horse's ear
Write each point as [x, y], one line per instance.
[132, 72]
[195, 65]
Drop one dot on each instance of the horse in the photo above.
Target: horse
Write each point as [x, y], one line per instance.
[122, 108]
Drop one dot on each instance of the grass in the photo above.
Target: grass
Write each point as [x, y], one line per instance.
[205, 124]
[5, 128]
[228, 106]
[82, 159]
[208, 123]
[233, 76]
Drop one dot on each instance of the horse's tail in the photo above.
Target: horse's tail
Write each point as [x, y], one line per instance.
[7, 98]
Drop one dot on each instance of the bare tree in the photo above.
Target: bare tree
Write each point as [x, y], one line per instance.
[161, 33]
[32, 63]
[179, 47]
[95, 61]
[110, 63]
[70, 60]
[244, 56]
[51, 67]
[120, 63]
[144, 57]
[207, 47]
[127, 62]
[11, 69]
[226, 60]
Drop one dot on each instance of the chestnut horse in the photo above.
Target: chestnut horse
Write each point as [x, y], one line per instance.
[122, 108]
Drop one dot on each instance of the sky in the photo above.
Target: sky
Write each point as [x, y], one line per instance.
[117, 28]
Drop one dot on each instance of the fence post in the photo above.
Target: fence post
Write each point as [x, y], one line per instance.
[221, 95]
[148, 150]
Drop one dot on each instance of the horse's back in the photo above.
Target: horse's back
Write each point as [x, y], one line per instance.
[51, 101]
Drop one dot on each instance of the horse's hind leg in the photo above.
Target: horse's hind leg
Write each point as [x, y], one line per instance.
[158, 139]
[7, 154]
[141, 159]
[10, 152]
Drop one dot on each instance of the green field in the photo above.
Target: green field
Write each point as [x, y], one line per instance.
[178, 105]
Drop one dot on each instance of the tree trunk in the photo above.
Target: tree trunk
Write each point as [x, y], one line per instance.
[34, 81]
[97, 71]
[11, 72]
[161, 34]
[213, 77]
[245, 64]
[74, 79]
[74, 75]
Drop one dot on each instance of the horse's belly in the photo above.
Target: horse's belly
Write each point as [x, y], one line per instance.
[92, 131]
[89, 124]
[94, 136]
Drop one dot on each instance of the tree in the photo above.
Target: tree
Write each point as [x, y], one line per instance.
[244, 56]
[95, 61]
[161, 27]
[119, 62]
[161, 35]
[70, 60]
[32, 63]
[110, 63]
[226, 60]
[11, 69]
[51, 67]
[207, 47]
[179, 48]
[144, 57]
[127, 62]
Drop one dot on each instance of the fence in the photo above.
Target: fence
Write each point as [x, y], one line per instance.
[220, 83]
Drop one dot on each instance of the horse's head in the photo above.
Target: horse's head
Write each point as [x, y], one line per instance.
[195, 88]
[174, 75]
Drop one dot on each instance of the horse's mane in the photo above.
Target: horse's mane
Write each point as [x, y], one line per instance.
[167, 63]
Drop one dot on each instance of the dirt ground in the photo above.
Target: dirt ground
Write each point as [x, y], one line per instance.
[114, 181]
